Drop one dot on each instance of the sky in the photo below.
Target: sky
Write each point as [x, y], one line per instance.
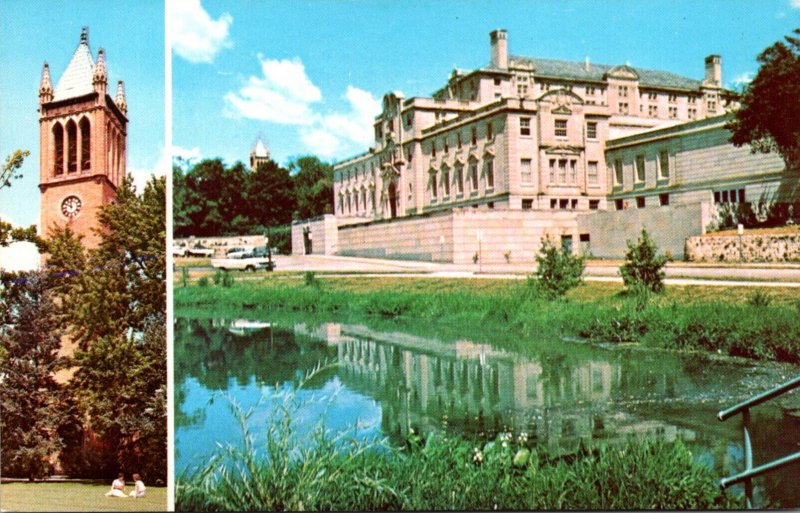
[310, 75]
[31, 32]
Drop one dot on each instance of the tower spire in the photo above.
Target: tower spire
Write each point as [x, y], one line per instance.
[100, 76]
[46, 86]
[120, 98]
[84, 36]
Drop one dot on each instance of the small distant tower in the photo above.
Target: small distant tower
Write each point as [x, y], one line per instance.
[83, 143]
[259, 154]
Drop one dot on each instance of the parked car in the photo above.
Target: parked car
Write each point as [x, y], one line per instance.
[199, 251]
[233, 252]
[244, 262]
[180, 251]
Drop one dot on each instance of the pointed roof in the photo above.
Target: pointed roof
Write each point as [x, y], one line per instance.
[46, 84]
[77, 79]
[120, 98]
[259, 150]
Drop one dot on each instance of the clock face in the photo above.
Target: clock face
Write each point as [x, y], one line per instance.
[71, 206]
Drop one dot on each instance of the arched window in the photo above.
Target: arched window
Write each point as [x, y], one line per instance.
[72, 146]
[58, 149]
[86, 149]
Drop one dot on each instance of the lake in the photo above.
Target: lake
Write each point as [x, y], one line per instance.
[390, 378]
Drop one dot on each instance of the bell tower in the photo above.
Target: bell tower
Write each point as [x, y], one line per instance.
[82, 143]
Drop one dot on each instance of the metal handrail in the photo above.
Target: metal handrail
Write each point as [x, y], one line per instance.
[750, 472]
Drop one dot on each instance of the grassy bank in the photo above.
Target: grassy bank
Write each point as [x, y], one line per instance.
[75, 497]
[738, 321]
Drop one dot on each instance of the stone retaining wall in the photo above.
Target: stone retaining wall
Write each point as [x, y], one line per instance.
[754, 248]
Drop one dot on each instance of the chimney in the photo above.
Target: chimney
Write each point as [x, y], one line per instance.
[499, 48]
[714, 70]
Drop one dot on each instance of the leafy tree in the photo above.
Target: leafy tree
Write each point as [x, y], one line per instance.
[11, 168]
[643, 270]
[9, 173]
[769, 117]
[31, 404]
[270, 195]
[313, 186]
[558, 270]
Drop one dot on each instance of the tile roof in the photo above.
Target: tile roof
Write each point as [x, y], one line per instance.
[260, 150]
[77, 79]
[576, 70]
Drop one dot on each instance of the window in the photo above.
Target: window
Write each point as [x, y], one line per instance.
[474, 135]
[573, 171]
[652, 111]
[446, 181]
[663, 164]
[458, 140]
[663, 199]
[545, 86]
[652, 96]
[592, 173]
[58, 147]
[433, 148]
[490, 174]
[594, 204]
[623, 107]
[619, 204]
[618, 172]
[640, 202]
[563, 204]
[591, 130]
[640, 168]
[459, 180]
[490, 204]
[673, 98]
[623, 91]
[692, 113]
[552, 170]
[497, 81]
[522, 90]
[590, 91]
[527, 204]
[553, 203]
[526, 171]
[72, 147]
[673, 112]
[561, 127]
[446, 145]
[693, 100]
[524, 126]
[562, 170]
[489, 131]
[473, 175]
[85, 144]
[434, 185]
[573, 204]
[409, 119]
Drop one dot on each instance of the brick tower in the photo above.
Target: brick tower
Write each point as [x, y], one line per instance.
[83, 139]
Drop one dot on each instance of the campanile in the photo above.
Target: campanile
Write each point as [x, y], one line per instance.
[82, 148]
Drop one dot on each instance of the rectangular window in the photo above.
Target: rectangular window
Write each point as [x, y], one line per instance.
[663, 164]
[526, 171]
[522, 90]
[473, 175]
[693, 100]
[552, 170]
[712, 106]
[489, 131]
[741, 195]
[561, 128]
[434, 186]
[652, 111]
[573, 204]
[673, 112]
[619, 204]
[458, 140]
[490, 174]
[591, 130]
[497, 81]
[589, 91]
[563, 204]
[573, 171]
[524, 126]
[673, 98]
[553, 203]
[433, 148]
[474, 135]
[640, 168]
[594, 204]
[618, 172]
[623, 91]
[562, 170]
[460, 180]
[663, 199]
[446, 181]
[652, 96]
[592, 173]
[527, 204]
[623, 107]
[692, 113]
[640, 202]
[446, 145]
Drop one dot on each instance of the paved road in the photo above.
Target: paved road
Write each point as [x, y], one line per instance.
[678, 273]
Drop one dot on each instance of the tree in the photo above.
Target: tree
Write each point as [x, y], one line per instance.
[31, 404]
[769, 117]
[643, 270]
[313, 186]
[270, 195]
[10, 172]
[558, 270]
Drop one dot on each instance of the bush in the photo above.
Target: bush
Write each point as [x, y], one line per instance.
[217, 277]
[557, 270]
[643, 269]
[227, 279]
[184, 276]
[203, 281]
[310, 279]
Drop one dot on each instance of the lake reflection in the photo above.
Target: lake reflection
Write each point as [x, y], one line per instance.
[561, 393]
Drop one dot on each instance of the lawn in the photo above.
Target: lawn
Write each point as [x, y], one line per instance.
[75, 497]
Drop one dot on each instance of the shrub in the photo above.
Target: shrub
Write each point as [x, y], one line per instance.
[184, 276]
[759, 298]
[557, 270]
[203, 281]
[644, 267]
[310, 279]
[227, 279]
[217, 277]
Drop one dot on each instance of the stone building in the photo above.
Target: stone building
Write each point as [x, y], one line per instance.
[259, 154]
[83, 140]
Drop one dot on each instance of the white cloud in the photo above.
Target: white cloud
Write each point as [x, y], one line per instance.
[283, 94]
[195, 35]
[321, 142]
[185, 158]
[795, 4]
[743, 79]
[141, 176]
[337, 133]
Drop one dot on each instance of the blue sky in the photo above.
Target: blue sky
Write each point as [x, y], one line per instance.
[310, 75]
[31, 32]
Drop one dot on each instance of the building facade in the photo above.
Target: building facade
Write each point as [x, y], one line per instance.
[83, 140]
[519, 133]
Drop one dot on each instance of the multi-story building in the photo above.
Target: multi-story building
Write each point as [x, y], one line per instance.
[519, 133]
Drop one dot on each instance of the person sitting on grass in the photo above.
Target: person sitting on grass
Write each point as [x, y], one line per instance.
[138, 487]
[117, 487]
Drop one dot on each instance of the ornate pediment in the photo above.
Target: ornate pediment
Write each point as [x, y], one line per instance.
[562, 109]
[562, 98]
[563, 149]
[623, 72]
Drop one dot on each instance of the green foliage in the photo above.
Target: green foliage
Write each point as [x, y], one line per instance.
[643, 267]
[310, 279]
[759, 299]
[330, 471]
[217, 277]
[31, 402]
[769, 117]
[202, 281]
[557, 270]
[184, 276]
[313, 186]
[11, 167]
[227, 279]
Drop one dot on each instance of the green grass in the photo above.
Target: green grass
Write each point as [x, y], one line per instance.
[761, 324]
[75, 497]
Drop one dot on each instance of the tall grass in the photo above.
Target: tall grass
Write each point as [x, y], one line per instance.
[759, 329]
